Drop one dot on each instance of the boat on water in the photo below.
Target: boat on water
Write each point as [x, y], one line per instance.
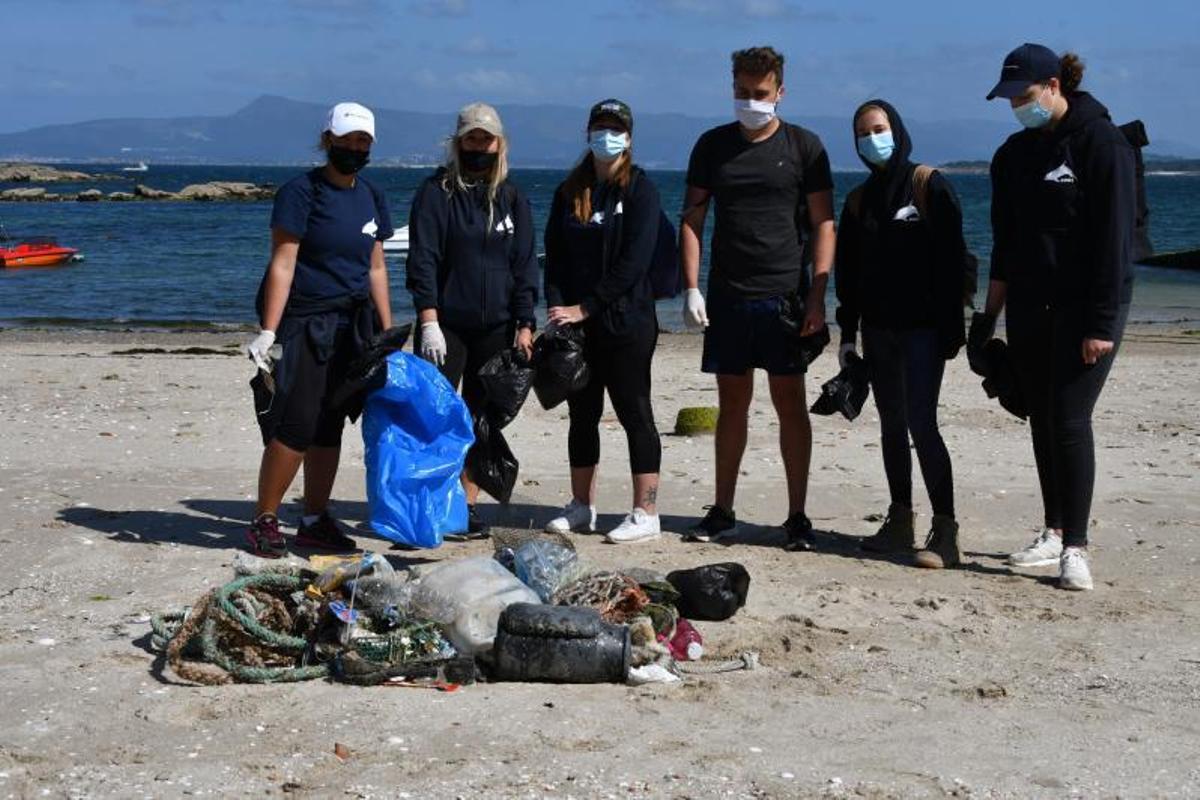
[36, 252]
[142, 166]
[398, 244]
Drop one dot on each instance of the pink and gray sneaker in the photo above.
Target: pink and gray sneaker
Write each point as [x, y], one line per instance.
[265, 538]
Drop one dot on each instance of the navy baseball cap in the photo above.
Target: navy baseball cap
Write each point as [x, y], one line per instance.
[1023, 67]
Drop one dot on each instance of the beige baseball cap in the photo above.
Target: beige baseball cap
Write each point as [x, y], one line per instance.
[350, 117]
[479, 116]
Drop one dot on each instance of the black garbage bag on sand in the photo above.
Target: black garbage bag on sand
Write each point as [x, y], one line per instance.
[713, 592]
[506, 378]
[559, 366]
[845, 392]
[491, 462]
[369, 372]
[562, 644]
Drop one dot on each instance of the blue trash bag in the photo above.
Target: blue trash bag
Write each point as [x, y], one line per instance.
[416, 431]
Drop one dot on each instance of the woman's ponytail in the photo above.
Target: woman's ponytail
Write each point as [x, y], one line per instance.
[1070, 72]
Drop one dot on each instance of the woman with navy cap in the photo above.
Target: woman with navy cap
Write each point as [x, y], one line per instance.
[472, 266]
[1063, 207]
[324, 294]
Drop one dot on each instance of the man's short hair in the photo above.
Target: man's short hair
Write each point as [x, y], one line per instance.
[759, 61]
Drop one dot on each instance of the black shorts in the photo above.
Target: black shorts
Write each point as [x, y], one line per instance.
[748, 334]
[305, 419]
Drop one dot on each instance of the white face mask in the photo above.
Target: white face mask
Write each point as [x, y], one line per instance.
[754, 114]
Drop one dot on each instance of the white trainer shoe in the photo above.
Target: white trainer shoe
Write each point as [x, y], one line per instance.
[575, 517]
[1046, 550]
[1073, 571]
[637, 527]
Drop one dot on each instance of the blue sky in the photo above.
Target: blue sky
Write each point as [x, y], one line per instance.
[935, 60]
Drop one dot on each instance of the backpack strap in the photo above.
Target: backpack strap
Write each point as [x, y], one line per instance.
[920, 180]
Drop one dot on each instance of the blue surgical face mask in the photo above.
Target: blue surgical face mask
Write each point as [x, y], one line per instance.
[607, 145]
[877, 148]
[1033, 115]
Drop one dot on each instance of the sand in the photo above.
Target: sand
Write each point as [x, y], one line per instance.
[126, 481]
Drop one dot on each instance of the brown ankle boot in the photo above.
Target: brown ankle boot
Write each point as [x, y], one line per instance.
[895, 535]
[941, 548]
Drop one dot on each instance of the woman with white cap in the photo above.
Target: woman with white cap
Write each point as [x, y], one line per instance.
[472, 267]
[324, 294]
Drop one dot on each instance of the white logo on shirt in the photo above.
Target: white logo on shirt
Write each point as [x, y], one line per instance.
[505, 225]
[1061, 174]
[908, 213]
[370, 229]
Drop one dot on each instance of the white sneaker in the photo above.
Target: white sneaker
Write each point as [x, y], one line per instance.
[1046, 549]
[637, 527]
[575, 517]
[1073, 572]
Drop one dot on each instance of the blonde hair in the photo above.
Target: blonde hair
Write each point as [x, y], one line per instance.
[452, 178]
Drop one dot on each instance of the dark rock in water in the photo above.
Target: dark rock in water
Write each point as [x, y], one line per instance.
[121, 196]
[1179, 259]
[38, 173]
[141, 190]
[90, 196]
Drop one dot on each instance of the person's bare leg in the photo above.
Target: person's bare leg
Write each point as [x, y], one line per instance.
[276, 472]
[471, 488]
[645, 492]
[734, 393]
[583, 485]
[795, 436]
[320, 472]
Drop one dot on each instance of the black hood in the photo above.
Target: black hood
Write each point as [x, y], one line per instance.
[903, 143]
[1082, 110]
[888, 185]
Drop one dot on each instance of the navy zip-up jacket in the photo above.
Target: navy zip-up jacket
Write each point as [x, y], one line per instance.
[1063, 209]
[619, 293]
[476, 278]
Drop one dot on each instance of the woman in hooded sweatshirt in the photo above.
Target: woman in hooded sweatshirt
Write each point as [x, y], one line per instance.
[600, 242]
[472, 267]
[1063, 204]
[899, 273]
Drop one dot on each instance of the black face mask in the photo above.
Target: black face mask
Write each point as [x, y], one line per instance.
[347, 161]
[475, 161]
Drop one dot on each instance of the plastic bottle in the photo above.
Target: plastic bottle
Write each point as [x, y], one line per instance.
[686, 644]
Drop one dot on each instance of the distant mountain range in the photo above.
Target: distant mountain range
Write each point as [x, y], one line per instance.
[276, 130]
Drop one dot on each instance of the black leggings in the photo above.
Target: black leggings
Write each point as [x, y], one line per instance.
[1060, 392]
[466, 352]
[623, 367]
[906, 368]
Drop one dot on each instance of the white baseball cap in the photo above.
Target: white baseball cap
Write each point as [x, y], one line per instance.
[350, 117]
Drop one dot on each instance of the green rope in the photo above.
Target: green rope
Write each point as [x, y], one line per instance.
[286, 583]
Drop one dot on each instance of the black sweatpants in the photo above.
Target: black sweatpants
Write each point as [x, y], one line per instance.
[466, 352]
[906, 369]
[622, 366]
[1061, 392]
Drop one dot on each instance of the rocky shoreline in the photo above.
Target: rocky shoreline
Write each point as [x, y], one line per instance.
[214, 191]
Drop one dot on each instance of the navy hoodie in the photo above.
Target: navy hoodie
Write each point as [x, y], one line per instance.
[894, 269]
[476, 278]
[1063, 208]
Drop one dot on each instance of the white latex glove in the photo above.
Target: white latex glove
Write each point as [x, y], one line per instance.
[694, 313]
[433, 343]
[845, 350]
[260, 349]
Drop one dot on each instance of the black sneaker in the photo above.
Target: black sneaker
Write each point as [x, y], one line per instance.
[324, 534]
[476, 528]
[800, 536]
[717, 523]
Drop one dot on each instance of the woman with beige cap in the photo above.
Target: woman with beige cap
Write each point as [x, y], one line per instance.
[472, 267]
[324, 294]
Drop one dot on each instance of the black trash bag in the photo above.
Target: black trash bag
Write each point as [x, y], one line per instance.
[561, 644]
[713, 592]
[791, 318]
[368, 372]
[813, 345]
[847, 391]
[506, 378]
[559, 366]
[491, 463]
[1001, 380]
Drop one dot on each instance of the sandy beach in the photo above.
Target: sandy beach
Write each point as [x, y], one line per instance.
[126, 480]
